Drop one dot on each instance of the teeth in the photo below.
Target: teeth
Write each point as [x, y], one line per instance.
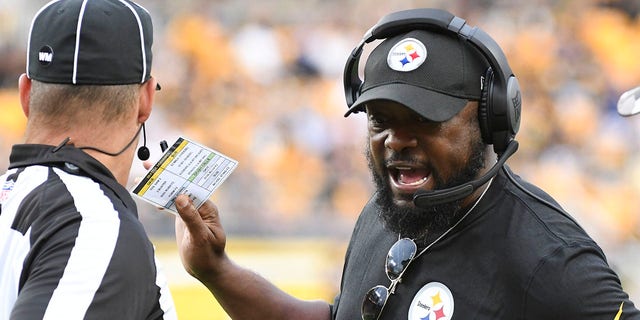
[409, 176]
[415, 183]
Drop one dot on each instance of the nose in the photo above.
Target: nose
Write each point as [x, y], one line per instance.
[399, 139]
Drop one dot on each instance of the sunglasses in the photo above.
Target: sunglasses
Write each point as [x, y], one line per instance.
[401, 254]
[398, 259]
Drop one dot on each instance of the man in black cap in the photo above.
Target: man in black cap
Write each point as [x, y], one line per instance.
[71, 244]
[451, 232]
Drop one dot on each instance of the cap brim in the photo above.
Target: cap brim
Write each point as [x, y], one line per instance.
[629, 102]
[429, 104]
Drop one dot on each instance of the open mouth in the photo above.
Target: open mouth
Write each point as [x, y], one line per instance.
[407, 178]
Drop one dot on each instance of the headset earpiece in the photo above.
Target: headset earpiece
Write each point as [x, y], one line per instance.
[499, 111]
[351, 80]
[503, 113]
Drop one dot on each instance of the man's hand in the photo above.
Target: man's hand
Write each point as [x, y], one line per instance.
[201, 241]
[200, 237]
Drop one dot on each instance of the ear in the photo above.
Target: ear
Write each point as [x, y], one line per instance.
[24, 88]
[147, 94]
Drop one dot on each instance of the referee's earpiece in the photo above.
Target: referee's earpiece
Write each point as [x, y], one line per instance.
[500, 105]
[143, 151]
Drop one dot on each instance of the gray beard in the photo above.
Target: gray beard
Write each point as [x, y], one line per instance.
[424, 224]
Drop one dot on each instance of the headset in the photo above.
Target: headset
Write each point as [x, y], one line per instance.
[500, 103]
[500, 106]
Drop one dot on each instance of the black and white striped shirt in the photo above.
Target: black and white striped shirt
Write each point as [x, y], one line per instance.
[71, 244]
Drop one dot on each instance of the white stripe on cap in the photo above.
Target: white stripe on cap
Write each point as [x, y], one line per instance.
[77, 49]
[144, 55]
[31, 31]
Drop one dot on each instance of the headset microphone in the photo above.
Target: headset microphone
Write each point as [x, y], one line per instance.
[143, 152]
[426, 199]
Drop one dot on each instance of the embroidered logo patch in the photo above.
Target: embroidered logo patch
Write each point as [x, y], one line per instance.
[45, 56]
[6, 189]
[434, 301]
[407, 55]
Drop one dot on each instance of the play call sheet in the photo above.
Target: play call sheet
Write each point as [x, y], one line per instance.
[186, 167]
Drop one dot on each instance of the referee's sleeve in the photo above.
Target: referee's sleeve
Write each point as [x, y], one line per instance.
[71, 249]
[92, 261]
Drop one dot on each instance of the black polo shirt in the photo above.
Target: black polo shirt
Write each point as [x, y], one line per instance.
[513, 257]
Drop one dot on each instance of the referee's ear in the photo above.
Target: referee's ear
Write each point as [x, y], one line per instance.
[145, 102]
[24, 88]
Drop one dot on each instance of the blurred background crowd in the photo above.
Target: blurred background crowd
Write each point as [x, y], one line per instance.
[261, 81]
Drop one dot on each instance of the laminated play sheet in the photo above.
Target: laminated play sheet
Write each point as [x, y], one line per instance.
[185, 167]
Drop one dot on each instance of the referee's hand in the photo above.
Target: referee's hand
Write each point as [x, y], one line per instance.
[201, 239]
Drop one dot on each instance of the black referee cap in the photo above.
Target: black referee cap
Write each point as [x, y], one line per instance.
[90, 42]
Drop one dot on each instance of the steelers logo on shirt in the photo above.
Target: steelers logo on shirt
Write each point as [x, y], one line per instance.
[434, 301]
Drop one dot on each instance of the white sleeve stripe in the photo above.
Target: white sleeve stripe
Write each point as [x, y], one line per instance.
[166, 299]
[14, 246]
[91, 255]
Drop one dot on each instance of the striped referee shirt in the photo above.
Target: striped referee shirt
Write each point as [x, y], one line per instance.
[71, 244]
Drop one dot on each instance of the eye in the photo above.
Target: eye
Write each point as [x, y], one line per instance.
[422, 119]
[377, 120]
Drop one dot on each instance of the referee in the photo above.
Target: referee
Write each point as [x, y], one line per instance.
[71, 244]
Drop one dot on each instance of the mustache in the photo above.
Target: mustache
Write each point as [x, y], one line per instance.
[398, 157]
[409, 159]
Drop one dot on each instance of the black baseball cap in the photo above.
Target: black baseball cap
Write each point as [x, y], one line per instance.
[90, 42]
[433, 73]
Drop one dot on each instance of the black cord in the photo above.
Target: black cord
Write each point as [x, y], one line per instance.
[123, 149]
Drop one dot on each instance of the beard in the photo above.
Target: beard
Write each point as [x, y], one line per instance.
[422, 224]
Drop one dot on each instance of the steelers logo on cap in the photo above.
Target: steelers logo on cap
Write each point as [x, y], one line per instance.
[407, 55]
[434, 301]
